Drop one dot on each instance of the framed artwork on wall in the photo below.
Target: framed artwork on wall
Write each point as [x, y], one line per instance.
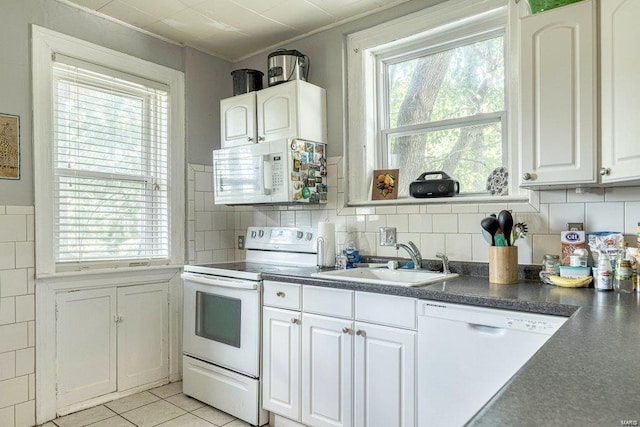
[384, 184]
[9, 146]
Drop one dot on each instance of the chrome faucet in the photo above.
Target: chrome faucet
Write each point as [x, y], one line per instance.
[414, 253]
[445, 262]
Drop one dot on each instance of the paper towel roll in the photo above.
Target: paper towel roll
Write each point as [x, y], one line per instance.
[327, 244]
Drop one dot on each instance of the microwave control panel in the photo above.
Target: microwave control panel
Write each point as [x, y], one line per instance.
[277, 172]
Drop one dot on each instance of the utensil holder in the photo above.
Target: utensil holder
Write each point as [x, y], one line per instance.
[503, 265]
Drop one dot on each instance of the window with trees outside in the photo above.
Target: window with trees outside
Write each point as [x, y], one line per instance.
[434, 99]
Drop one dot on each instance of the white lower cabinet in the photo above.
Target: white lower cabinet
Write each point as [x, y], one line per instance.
[319, 369]
[327, 352]
[86, 344]
[281, 362]
[385, 369]
[110, 339]
[143, 335]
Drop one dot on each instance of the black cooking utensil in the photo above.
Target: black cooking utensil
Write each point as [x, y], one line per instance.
[505, 222]
[490, 225]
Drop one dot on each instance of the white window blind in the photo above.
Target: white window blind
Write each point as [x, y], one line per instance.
[111, 170]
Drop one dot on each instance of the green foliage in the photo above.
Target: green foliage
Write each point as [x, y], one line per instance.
[473, 83]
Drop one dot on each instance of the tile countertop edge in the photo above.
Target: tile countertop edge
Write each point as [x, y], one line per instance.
[584, 375]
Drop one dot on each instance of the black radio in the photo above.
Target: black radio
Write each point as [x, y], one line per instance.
[444, 186]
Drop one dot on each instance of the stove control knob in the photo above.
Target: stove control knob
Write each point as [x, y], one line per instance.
[309, 236]
[261, 234]
[253, 234]
[299, 234]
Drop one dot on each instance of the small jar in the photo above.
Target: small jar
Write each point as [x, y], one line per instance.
[551, 264]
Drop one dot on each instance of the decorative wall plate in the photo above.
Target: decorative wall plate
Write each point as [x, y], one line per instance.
[498, 181]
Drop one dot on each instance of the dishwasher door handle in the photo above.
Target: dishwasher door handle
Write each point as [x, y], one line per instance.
[485, 329]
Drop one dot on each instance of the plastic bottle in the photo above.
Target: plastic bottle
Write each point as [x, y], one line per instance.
[351, 252]
[604, 281]
[623, 278]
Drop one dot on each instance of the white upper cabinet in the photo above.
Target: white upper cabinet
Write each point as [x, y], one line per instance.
[558, 97]
[620, 96]
[295, 109]
[238, 120]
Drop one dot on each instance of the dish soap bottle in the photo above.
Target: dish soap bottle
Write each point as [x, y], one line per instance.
[352, 254]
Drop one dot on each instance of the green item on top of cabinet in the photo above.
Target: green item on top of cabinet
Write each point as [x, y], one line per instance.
[542, 5]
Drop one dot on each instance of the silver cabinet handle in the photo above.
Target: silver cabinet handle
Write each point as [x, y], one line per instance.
[361, 333]
[605, 171]
[261, 138]
[348, 331]
[249, 139]
[528, 176]
[295, 321]
[280, 294]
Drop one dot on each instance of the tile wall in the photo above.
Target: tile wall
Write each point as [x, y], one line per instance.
[17, 318]
[450, 228]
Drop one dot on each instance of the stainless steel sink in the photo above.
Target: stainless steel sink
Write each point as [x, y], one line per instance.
[384, 276]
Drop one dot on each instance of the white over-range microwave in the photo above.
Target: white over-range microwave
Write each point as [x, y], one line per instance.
[281, 171]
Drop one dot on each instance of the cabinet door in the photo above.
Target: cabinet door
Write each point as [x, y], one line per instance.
[327, 346]
[277, 112]
[558, 120]
[143, 334]
[86, 344]
[620, 69]
[281, 362]
[238, 120]
[384, 376]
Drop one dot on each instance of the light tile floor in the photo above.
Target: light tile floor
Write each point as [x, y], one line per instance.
[164, 406]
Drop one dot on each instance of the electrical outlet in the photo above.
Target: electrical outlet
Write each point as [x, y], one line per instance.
[240, 242]
[387, 236]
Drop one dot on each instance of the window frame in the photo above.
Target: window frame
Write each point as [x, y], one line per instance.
[47, 44]
[441, 25]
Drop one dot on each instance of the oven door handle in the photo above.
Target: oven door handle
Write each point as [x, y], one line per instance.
[219, 281]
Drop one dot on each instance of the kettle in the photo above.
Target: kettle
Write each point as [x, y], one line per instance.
[286, 65]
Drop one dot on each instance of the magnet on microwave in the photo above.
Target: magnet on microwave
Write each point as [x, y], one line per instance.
[304, 157]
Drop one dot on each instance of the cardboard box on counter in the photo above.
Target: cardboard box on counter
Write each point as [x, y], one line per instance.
[571, 240]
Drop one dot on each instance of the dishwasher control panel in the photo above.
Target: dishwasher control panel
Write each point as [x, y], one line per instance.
[487, 317]
[532, 325]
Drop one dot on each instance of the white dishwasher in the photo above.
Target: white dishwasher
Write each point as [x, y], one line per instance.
[467, 353]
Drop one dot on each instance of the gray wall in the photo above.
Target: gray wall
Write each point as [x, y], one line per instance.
[202, 72]
[326, 53]
[208, 80]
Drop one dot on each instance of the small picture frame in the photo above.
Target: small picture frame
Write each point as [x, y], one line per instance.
[9, 146]
[385, 184]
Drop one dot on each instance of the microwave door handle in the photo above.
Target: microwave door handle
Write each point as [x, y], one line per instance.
[267, 175]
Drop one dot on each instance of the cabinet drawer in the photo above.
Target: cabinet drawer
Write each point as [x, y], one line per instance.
[334, 302]
[386, 309]
[283, 295]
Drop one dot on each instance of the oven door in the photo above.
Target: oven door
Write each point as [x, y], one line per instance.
[222, 322]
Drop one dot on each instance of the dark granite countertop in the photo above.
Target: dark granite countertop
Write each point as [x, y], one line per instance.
[588, 373]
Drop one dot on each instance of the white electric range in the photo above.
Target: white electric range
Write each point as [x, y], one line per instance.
[222, 318]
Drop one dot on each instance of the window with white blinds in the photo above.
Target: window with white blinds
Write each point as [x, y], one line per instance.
[110, 165]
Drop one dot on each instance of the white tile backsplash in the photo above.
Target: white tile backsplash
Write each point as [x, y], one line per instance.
[17, 307]
[631, 217]
[451, 228]
[562, 214]
[605, 216]
[7, 365]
